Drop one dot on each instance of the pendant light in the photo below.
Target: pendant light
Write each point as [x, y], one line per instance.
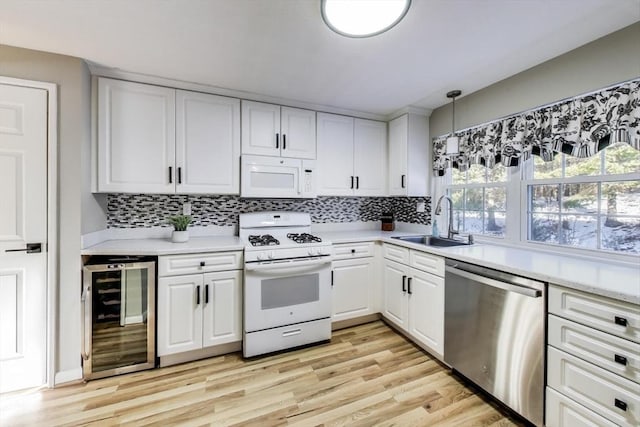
[363, 18]
[453, 142]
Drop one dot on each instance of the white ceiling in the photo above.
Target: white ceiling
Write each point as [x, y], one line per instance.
[282, 49]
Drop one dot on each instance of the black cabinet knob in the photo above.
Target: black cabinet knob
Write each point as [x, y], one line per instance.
[201, 263]
[353, 251]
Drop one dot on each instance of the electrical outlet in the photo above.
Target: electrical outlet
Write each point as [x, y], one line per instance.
[186, 209]
[420, 207]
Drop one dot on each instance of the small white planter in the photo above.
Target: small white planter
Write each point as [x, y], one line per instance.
[180, 236]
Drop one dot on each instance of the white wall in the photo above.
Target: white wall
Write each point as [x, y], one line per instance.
[609, 60]
[73, 80]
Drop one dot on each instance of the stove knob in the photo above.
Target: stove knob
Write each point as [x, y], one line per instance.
[310, 252]
[260, 256]
[270, 255]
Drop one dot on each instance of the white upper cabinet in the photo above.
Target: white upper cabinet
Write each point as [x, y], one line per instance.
[409, 162]
[351, 156]
[370, 157]
[298, 133]
[334, 166]
[154, 139]
[271, 130]
[136, 137]
[207, 143]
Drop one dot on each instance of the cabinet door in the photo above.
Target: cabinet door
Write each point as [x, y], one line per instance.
[334, 165]
[136, 137]
[179, 314]
[370, 157]
[298, 128]
[222, 316]
[353, 288]
[260, 128]
[426, 309]
[394, 298]
[207, 143]
[398, 133]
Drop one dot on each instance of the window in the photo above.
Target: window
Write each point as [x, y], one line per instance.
[584, 204]
[591, 203]
[479, 200]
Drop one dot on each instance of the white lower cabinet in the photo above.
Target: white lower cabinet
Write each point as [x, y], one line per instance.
[564, 412]
[196, 311]
[413, 299]
[354, 281]
[179, 314]
[592, 360]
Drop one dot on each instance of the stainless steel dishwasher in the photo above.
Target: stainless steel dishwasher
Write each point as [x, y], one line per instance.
[495, 334]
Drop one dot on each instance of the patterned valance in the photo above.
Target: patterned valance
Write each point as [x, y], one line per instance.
[580, 127]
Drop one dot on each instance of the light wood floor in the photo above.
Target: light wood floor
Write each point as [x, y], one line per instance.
[368, 375]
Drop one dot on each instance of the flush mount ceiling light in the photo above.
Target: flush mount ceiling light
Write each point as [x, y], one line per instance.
[363, 18]
[453, 142]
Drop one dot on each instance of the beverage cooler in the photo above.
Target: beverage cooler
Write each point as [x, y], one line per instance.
[118, 304]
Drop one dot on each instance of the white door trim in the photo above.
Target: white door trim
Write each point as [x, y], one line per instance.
[52, 214]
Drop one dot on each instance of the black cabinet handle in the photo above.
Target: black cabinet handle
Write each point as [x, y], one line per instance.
[621, 321]
[620, 359]
[352, 182]
[409, 285]
[277, 140]
[179, 175]
[332, 278]
[32, 248]
[198, 295]
[284, 141]
[170, 175]
[357, 182]
[201, 263]
[206, 294]
[620, 404]
[402, 181]
[353, 251]
[404, 283]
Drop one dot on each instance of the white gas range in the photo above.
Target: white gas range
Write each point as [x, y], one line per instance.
[287, 285]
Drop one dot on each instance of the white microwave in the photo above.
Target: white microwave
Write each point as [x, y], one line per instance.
[277, 177]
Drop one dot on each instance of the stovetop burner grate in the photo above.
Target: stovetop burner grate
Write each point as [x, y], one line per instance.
[263, 240]
[304, 238]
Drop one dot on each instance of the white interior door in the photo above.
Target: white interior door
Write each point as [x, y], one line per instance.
[23, 221]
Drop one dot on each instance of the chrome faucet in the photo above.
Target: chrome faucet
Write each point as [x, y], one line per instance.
[450, 230]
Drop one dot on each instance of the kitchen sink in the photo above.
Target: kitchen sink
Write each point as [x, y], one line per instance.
[431, 241]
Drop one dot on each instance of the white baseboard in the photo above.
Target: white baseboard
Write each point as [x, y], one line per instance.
[62, 377]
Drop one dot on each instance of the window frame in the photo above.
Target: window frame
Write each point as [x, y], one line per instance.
[519, 178]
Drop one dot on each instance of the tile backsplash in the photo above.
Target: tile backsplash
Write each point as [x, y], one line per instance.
[152, 210]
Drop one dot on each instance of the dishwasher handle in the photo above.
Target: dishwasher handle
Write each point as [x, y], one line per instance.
[530, 292]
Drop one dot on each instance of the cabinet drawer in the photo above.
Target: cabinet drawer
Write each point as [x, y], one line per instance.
[396, 253]
[426, 262]
[563, 412]
[616, 317]
[612, 353]
[173, 265]
[353, 250]
[606, 393]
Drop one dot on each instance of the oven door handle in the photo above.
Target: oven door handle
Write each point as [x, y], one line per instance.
[288, 266]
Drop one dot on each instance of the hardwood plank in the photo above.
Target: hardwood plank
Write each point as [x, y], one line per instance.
[367, 375]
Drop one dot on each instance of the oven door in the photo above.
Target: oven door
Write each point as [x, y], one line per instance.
[285, 292]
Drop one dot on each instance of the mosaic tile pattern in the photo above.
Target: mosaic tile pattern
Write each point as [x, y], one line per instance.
[152, 210]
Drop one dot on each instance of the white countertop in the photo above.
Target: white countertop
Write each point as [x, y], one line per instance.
[599, 277]
[165, 246]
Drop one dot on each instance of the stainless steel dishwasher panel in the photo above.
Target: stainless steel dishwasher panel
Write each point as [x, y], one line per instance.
[495, 334]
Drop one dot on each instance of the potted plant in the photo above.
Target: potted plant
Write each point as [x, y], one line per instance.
[180, 223]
